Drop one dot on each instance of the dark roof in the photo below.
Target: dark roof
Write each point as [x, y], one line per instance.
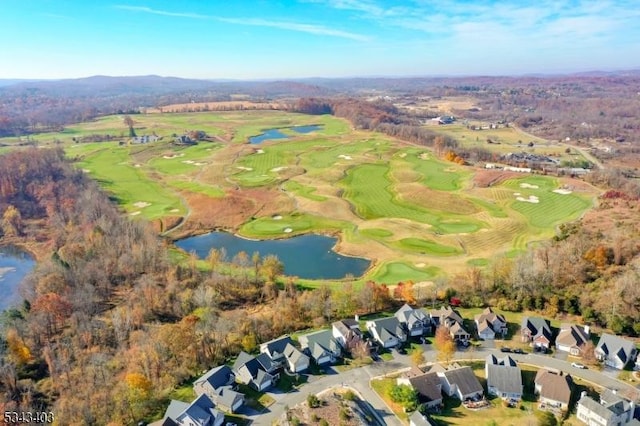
[464, 378]
[428, 386]
[242, 359]
[445, 313]
[616, 346]
[554, 386]
[538, 326]
[202, 410]
[266, 362]
[276, 345]
[218, 376]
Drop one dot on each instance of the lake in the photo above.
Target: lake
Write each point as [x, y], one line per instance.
[277, 134]
[306, 256]
[14, 265]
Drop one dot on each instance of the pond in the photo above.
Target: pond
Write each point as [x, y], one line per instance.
[14, 265]
[307, 256]
[277, 134]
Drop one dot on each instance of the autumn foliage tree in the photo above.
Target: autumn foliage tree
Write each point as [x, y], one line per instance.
[445, 345]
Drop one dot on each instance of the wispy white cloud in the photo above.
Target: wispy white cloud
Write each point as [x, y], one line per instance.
[477, 21]
[255, 22]
[294, 26]
[163, 12]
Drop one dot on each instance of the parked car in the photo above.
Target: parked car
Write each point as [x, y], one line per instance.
[578, 365]
[505, 349]
[518, 351]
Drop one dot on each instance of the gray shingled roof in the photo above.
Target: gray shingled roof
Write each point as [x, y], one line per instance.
[388, 327]
[408, 315]
[595, 407]
[505, 378]
[175, 408]
[464, 378]
[218, 376]
[228, 397]
[418, 419]
[616, 346]
[538, 326]
[276, 345]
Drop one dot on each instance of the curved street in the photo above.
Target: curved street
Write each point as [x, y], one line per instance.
[359, 378]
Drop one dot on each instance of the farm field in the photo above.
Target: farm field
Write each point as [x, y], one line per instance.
[413, 214]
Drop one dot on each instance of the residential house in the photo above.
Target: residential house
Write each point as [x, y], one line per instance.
[275, 348]
[449, 318]
[445, 316]
[219, 385]
[250, 371]
[536, 330]
[504, 378]
[461, 383]
[144, 139]
[201, 412]
[296, 361]
[458, 333]
[489, 325]
[615, 351]
[387, 331]
[415, 321]
[554, 388]
[321, 346]
[417, 419]
[612, 410]
[572, 338]
[347, 333]
[427, 385]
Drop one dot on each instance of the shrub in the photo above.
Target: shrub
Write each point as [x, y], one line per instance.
[323, 422]
[313, 401]
[349, 396]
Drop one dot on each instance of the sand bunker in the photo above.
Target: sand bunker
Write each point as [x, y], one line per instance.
[277, 169]
[134, 213]
[402, 155]
[244, 168]
[260, 151]
[86, 171]
[423, 156]
[516, 193]
[562, 191]
[141, 204]
[287, 230]
[188, 161]
[420, 265]
[174, 211]
[276, 217]
[346, 157]
[169, 157]
[528, 185]
[531, 199]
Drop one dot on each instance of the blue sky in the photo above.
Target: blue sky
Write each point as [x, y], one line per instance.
[254, 39]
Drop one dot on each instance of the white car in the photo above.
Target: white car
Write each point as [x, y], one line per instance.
[578, 365]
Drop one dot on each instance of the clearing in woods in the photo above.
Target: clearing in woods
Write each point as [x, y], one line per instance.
[414, 215]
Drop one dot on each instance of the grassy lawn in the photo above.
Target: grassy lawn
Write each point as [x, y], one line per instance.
[383, 387]
[184, 393]
[130, 185]
[268, 227]
[394, 272]
[254, 399]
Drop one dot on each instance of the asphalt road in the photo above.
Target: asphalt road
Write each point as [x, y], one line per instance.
[359, 378]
